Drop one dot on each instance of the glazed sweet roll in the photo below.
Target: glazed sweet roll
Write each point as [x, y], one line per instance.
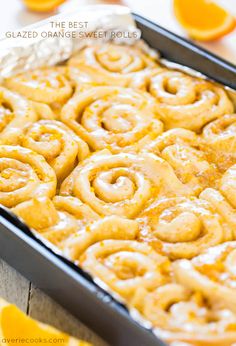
[73, 226]
[127, 168]
[212, 273]
[48, 88]
[110, 117]
[220, 141]
[182, 227]
[57, 143]
[223, 201]
[109, 227]
[23, 175]
[15, 113]
[111, 64]
[56, 220]
[184, 317]
[126, 265]
[182, 149]
[188, 102]
[121, 184]
[228, 185]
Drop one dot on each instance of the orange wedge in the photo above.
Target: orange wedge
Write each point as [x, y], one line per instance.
[204, 20]
[15, 325]
[42, 5]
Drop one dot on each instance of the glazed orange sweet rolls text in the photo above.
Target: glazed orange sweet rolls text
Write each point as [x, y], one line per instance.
[117, 118]
[188, 102]
[111, 64]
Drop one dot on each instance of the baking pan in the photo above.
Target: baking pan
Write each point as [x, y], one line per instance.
[69, 286]
[179, 50]
[62, 280]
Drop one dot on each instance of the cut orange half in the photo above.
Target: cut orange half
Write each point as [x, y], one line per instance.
[15, 327]
[204, 20]
[42, 5]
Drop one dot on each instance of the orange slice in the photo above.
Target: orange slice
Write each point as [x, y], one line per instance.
[42, 5]
[204, 20]
[15, 325]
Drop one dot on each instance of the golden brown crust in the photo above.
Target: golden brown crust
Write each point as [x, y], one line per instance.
[188, 102]
[129, 169]
[112, 65]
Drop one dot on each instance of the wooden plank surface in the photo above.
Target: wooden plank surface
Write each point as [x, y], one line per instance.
[16, 289]
[13, 287]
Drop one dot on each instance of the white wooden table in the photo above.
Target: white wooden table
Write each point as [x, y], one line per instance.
[13, 286]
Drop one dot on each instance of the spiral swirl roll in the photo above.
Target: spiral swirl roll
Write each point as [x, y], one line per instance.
[181, 148]
[220, 138]
[71, 225]
[24, 175]
[56, 220]
[111, 64]
[188, 102]
[121, 184]
[128, 169]
[48, 88]
[46, 85]
[212, 273]
[224, 202]
[225, 210]
[15, 113]
[125, 265]
[110, 227]
[228, 185]
[110, 117]
[185, 317]
[57, 144]
[184, 227]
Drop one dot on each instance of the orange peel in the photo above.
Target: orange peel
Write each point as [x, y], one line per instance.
[42, 5]
[204, 20]
[15, 325]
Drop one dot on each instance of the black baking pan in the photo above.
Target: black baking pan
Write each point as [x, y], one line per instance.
[182, 51]
[62, 280]
[69, 285]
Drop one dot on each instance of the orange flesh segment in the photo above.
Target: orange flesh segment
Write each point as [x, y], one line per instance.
[202, 14]
[42, 5]
[15, 325]
[203, 19]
